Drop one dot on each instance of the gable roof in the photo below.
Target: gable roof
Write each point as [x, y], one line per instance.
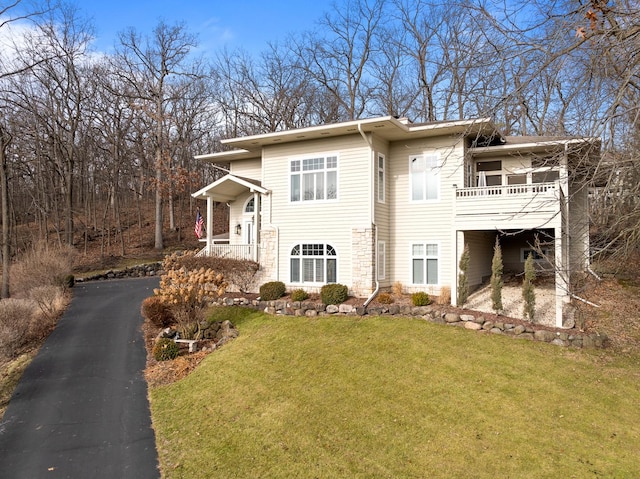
[228, 188]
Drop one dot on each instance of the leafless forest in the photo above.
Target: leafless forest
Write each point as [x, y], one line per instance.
[88, 141]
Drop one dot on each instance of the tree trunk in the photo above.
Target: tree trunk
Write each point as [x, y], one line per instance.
[4, 193]
[159, 244]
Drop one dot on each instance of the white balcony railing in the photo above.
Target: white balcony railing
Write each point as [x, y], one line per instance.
[489, 191]
[231, 251]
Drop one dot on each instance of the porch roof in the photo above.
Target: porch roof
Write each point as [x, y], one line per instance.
[228, 188]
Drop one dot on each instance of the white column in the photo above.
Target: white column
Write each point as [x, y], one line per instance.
[256, 224]
[209, 225]
[562, 288]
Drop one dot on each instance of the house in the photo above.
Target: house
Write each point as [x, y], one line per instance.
[369, 203]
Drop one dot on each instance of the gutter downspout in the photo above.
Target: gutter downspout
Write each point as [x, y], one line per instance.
[371, 212]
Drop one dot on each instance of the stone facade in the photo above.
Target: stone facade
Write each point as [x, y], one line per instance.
[362, 267]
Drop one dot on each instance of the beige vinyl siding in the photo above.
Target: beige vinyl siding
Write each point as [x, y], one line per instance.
[247, 168]
[383, 209]
[480, 255]
[327, 221]
[413, 222]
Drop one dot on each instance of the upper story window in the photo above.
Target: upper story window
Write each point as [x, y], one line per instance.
[381, 178]
[313, 263]
[314, 179]
[425, 177]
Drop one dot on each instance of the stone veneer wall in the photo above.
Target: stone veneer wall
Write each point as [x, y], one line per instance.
[267, 257]
[474, 321]
[362, 267]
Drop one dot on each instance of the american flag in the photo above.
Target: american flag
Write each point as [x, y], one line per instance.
[199, 224]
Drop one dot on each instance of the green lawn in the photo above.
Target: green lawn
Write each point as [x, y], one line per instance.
[345, 397]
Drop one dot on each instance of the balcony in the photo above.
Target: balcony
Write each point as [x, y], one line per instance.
[508, 206]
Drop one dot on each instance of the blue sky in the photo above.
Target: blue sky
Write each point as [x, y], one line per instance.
[248, 24]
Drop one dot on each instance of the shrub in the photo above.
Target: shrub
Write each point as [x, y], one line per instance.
[41, 266]
[272, 290]
[69, 281]
[420, 299]
[239, 273]
[528, 290]
[16, 328]
[397, 288]
[51, 300]
[165, 349]
[299, 295]
[385, 298]
[463, 281]
[496, 278]
[445, 295]
[334, 293]
[156, 311]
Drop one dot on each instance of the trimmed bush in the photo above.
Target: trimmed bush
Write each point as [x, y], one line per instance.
[385, 298]
[334, 293]
[420, 299]
[165, 349]
[299, 295]
[156, 310]
[272, 290]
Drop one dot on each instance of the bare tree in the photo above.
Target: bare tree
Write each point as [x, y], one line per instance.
[148, 65]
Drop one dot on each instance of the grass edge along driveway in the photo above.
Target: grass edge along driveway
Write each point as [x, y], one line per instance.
[387, 397]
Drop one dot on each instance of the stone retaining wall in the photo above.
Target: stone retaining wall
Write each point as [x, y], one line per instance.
[138, 271]
[474, 321]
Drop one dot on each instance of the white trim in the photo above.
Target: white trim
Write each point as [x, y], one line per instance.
[438, 258]
[300, 174]
[381, 187]
[301, 282]
[435, 171]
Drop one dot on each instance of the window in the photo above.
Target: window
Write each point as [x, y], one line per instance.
[517, 179]
[382, 259]
[544, 176]
[314, 179]
[381, 178]
[250, 208]
[537, 255]
[424, 258]
[425, 177]
[313, 263]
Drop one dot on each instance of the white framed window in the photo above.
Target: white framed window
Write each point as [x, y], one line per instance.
[424, 263]
[314, 179]
[313, 263]
[381, 178]
[425, 177]
[382, 260]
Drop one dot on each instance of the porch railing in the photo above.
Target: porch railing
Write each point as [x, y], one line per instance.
[231, 251]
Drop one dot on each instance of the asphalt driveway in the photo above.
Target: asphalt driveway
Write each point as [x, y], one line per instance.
[81, 408]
